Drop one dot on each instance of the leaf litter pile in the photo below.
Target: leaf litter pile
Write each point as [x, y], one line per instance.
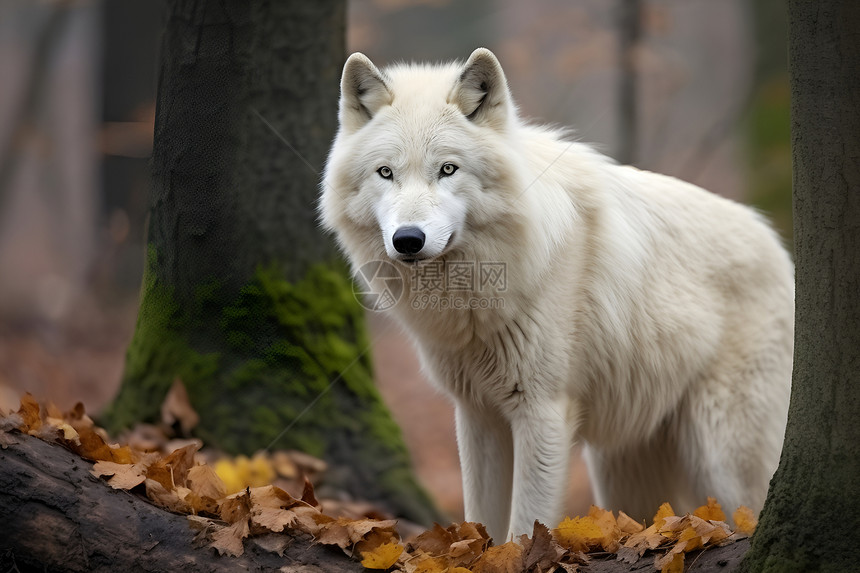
[231, 500]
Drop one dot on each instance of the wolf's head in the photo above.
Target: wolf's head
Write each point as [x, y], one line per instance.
[422, 160]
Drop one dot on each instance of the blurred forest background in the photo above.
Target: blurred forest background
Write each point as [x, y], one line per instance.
[692, 88]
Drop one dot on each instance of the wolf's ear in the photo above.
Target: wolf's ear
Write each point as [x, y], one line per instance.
[481, 91]
[363, 92]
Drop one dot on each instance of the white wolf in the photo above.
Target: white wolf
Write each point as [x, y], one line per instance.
[642, 315]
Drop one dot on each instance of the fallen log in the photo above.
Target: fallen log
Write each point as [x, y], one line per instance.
[55, 516]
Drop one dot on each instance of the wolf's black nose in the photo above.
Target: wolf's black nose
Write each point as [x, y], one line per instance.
[408, 240]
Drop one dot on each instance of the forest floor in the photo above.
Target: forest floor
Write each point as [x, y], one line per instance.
[82, 358]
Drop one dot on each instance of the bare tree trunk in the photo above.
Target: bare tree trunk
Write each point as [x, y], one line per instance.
[629, 36]
[812, 516]
[48, 162]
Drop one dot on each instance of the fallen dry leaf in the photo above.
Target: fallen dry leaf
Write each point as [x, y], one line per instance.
[308, 495]
[241, 472]
[610, 541]
[627, 524]
[649, 538]
[383, 557]
[691, 539]
[435, 541]
[275, 520]
[172, 470]
[236, 511]
[54, 426]
[179, 483]
[236, 507]
[710, 511]
[461, 543]
[663, 512]
[229, 540]
[176, 408]
[540, 551]
[167, 498]
[672, 563]
[376, 538]
[272, 508]
[745, 520]
[30, 414]
[579, 533]
[124, 476]
[203, 481]
[272, 496]
[420, 562]
[345, 532]
[92, 446]
[505, 558]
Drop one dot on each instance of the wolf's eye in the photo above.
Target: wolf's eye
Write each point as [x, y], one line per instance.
[448, 169]
[385, 172]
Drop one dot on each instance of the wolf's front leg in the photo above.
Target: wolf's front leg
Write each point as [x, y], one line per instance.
[486, 459]
[542, 435]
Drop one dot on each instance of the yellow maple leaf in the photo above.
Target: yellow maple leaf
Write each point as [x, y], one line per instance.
[229, 474]
[242, 472]
[382, 557]
[505, 558]
[663, 512]
[745, 520]
[711, 511]
[579, 533]
[676, 565]
[424, 563]
[691, 538]
[608, 525]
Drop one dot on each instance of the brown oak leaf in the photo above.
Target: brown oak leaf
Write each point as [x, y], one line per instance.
[540, 551]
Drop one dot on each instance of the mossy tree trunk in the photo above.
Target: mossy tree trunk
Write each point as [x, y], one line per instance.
[811, 519]
[243, 299]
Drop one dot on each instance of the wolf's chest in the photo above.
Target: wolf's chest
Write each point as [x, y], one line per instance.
[509, 366]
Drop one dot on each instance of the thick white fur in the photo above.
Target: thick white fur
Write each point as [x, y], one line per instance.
[642, 315]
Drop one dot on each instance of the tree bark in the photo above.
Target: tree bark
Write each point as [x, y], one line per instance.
[59, 518]
[811, 519]
[243, 299]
